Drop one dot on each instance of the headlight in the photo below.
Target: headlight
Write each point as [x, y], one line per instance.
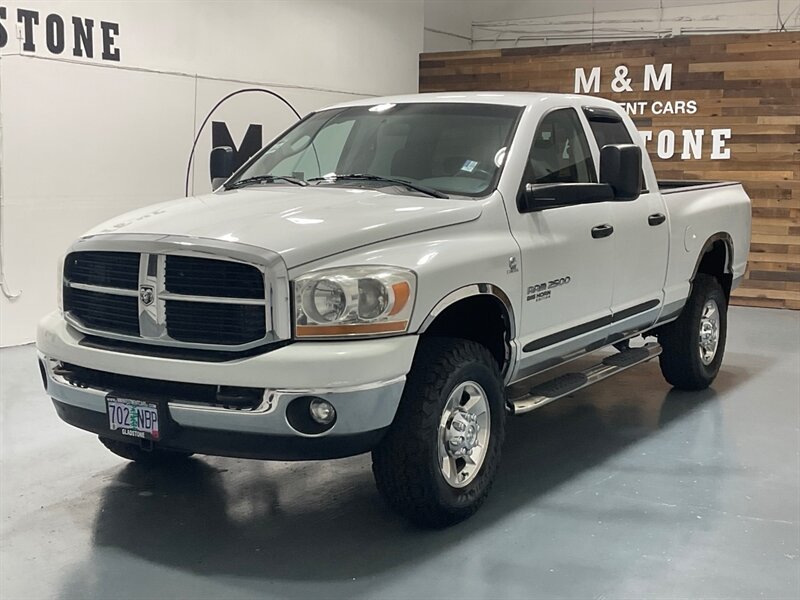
[370, 300]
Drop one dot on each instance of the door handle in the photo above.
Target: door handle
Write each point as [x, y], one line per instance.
[601, 231]
[656, 219]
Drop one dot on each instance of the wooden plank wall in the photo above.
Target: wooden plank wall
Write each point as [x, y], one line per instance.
[749, 83]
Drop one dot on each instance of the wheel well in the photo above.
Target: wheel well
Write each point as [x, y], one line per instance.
[482, 319]
[715, 262]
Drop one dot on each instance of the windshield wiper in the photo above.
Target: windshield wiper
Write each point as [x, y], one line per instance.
[264, 179]
[367, 177]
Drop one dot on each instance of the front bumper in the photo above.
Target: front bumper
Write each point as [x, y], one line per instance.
[364, 381]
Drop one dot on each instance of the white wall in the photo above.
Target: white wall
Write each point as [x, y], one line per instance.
[448, 25]
[83, 139]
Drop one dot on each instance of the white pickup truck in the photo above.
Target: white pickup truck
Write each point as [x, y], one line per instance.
[390, 275]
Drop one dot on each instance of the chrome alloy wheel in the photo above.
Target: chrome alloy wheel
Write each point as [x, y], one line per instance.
[709, 332]
[464, 434]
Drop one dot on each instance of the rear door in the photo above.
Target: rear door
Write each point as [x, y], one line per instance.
[566, 271]
[641, 238]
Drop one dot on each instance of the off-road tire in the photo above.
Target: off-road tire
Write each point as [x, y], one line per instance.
[405, 464]
[137, 454]
[680, 359]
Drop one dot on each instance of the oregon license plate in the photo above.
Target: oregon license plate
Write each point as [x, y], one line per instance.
[133, 418]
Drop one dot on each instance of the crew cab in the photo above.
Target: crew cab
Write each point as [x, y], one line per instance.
[396, 276]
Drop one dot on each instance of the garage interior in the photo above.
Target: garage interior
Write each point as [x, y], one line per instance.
[625, 489]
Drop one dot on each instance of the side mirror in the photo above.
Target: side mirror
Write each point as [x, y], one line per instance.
[621, 168]
[555, 195]
[220, 165]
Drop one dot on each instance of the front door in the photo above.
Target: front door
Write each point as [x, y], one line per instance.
[641, 238]
[566, 252]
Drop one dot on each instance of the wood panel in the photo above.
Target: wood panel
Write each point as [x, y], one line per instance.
[748, 83]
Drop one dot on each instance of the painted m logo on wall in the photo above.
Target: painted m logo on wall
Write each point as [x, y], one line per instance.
[251, 142]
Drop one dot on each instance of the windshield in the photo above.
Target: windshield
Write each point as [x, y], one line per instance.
[450, 148]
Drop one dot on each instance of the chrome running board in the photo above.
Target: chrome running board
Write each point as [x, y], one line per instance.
[570, 383]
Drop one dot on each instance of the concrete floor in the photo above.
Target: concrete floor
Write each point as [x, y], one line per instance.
[627, 490]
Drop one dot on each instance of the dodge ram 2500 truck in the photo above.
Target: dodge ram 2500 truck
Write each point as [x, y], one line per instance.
[393, 275]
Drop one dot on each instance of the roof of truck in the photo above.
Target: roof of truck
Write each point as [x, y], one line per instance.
[485, 97]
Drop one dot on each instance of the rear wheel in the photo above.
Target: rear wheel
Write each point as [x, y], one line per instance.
[139, 455]
[693, 345]
[438, 461]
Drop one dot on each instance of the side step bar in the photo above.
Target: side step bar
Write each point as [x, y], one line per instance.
[572, 382]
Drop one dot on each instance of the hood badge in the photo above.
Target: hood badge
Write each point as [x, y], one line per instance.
[147, 294]
[512, 265]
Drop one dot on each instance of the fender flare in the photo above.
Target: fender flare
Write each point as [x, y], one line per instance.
[727, 268]
[709, 243]
[469, 291]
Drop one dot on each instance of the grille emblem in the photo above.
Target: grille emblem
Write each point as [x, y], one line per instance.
[146, 294]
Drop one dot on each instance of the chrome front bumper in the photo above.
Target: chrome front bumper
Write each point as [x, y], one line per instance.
[338, 372]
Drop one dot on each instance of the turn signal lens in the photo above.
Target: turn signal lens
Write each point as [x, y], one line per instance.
[402, 292]
[356, 329]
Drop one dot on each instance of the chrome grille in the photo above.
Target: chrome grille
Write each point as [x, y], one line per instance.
[203, 277]
[220, 323]
[108, 269]
[182, 298]
[107, 312]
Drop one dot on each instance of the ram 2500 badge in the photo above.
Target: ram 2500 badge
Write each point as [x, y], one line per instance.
[391, 276]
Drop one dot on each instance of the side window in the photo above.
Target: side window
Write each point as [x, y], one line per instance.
[608, 129]
[610, 132]
[560, 152]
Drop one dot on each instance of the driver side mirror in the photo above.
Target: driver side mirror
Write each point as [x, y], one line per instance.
[539, 196]
[220, 165]
[621, 168]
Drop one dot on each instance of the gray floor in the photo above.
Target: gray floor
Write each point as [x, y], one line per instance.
[627, 490]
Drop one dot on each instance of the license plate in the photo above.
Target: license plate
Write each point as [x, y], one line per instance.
[133, 418]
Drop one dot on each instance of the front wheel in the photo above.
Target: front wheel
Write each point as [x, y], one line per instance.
[437, 462]
[693, 344]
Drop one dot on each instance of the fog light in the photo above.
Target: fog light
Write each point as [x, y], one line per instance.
[310, 415]
[322, 411]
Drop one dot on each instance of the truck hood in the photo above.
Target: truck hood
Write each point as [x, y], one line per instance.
[301, 224]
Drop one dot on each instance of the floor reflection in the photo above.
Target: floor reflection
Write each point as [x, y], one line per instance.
[320, 520]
